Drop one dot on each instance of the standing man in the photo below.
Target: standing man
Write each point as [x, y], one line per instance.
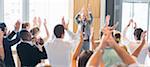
[85, 19]
[8, 42]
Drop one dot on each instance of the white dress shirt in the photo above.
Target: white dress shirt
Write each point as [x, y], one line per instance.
[59, 50]
[59, 53]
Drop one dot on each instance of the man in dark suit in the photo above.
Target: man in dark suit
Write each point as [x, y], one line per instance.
[28, 53]
[8, 42]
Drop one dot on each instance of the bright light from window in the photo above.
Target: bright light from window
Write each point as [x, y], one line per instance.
[140, 16]
[52, 10]
[12, 12]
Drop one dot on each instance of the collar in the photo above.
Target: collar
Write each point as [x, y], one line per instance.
[29, 42]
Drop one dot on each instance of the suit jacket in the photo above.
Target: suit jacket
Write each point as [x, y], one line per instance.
[29, 54]
[7, 43]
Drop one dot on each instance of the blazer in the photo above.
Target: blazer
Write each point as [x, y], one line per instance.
[7, 43]
[29, 54]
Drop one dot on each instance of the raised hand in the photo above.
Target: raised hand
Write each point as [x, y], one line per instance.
[130, 22]
[135, 25]
[45, 21]
[64, 24]
[39, 22]
[89, 8]
[107, 20]
[34, 21]
[17, 25]
[143, 36]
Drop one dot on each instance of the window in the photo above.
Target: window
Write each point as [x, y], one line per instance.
[139, 13]
[52, 10]
[12, 12]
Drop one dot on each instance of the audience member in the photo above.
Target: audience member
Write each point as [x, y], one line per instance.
[8, 42]
[85, 19]
[28, 53]
[58, 50]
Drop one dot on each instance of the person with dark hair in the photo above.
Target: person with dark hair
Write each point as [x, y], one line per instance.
[59, 50]
[8, 42]
[84, 57]
[138, 33]
[28, 53]
[80, 58]
[85, 19]
[133, 45]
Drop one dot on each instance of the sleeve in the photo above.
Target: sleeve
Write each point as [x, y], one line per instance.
[73, 36]
[14, 41]
[77, 18]
[41, 54]
[91, 18]
[11, 35]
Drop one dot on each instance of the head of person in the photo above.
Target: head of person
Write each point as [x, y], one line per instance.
[59, 31]
[35, 31]
[137, 33]
[26, 26]
[117, 37]
[3, 28]
[40, 41]
[25, 35]
[84, 14]
[84, 57]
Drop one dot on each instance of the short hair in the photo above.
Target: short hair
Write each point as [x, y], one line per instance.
[2, 26]
[59, 30]
[84, 57]
[25, 35]
[34, 31]
[137, 33]
[25, 25]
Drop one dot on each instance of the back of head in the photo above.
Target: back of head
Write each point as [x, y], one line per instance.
[25, 35]
[34, 31]
[84, 57]
[59, 31]
[137, 33]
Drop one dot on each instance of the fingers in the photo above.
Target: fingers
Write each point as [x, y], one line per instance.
[135, 25]
[45, 21]
[144, 34]
[107, 20]
[63, 20]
